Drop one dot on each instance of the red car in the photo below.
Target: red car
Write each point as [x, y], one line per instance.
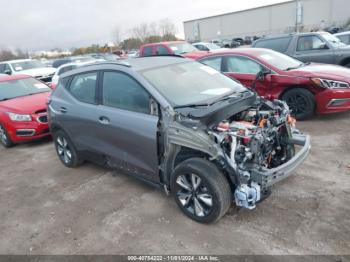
[23, 114]
[307, 88]
[171, 48]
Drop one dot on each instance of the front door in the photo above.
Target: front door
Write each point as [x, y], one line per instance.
[245, 71]
[312, 48]
[128, 130]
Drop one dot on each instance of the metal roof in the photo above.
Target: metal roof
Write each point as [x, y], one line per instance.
[240, 11]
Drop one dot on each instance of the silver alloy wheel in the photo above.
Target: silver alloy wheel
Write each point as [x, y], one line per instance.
[63, 150]
[194, 195]
[3, 136]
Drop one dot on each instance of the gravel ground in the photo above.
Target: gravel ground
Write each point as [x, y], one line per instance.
[46, 208]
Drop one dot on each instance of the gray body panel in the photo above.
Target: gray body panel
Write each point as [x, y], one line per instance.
[330, 55]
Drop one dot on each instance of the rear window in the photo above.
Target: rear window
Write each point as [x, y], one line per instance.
[277, 44]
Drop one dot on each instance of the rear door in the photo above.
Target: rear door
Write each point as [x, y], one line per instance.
[75, 108]
[312, 48]
[127, 128]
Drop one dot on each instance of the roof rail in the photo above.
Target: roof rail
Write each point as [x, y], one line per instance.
[170, 55]
[121, 63]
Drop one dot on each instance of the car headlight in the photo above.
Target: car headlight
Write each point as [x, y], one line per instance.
[333, 84]
[20, 118]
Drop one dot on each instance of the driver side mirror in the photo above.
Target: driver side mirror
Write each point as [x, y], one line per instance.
[262, 74]
[323, 46]
[8, 72]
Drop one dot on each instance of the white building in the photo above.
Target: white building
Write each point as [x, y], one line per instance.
[272, 19]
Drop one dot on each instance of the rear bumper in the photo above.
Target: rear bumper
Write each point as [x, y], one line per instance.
[267, 177]
[332, 101]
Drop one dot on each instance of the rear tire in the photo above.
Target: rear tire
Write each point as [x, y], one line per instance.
[5, 139]
[301, 103]
[65, 150]
[200, 190]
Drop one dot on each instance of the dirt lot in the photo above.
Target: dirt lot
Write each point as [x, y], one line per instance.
[46, 208]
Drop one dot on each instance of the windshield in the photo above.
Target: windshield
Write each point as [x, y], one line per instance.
[25, 65]
[278, 60]
[333, 40]
[182, 48]
[111, 57]
[21, 87]
[191, 83]
[213, 46]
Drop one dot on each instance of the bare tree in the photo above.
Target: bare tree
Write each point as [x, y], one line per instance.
[6, 55]
[166, 27]
[142, 31]
[117, 35]
[153, 28]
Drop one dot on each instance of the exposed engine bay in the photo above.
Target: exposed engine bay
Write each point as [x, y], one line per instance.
[254, 139]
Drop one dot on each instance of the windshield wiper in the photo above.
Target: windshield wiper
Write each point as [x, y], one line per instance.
[296, 67]
[217, 100]
[192, 105]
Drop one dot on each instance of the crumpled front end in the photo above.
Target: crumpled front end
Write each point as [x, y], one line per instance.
[261, 147]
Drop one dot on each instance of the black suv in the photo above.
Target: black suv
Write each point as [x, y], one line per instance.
[179, 125]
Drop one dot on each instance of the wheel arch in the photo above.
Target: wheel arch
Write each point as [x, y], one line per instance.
[345, 61]
[180, 154]
[290, 87]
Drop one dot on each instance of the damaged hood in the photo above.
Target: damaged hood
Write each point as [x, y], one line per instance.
[213, 114]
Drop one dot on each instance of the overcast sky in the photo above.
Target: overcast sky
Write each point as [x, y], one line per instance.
[46, 24]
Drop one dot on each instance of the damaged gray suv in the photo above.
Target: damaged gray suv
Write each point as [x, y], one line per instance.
[179, 125]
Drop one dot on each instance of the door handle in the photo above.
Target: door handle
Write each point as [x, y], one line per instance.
[63, 110]
[104, 120]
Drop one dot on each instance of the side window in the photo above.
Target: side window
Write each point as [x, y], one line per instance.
[161, 50]
[83, 87]
[202, 47]
[8, 68]
[63, 82]
[65, 69]
[214, 62]
[240, 64]
[344, 38]
[306, 43]
[277, 44]
[147, 51]
[123, 92]
[4, 68]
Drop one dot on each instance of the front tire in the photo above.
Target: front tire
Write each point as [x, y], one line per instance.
[301, 102]
[5, 138]
[65, 150]
[200, 190]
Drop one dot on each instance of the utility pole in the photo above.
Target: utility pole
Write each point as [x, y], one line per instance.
[298, 15]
